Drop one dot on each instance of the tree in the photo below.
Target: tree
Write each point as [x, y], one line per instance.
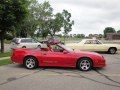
[55, 24]
[12, 12]
[108, 30]
[67, 23]
[44, 14]
[30, 24]
[118, 31]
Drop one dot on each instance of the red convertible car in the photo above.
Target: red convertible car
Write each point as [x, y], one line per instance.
[60, 56]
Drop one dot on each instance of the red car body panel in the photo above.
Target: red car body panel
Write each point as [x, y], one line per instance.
[59, 59]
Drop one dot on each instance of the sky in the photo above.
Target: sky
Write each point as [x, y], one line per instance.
[90, 16]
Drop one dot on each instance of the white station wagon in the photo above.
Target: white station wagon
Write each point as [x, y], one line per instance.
[94, 45]
[24, 43]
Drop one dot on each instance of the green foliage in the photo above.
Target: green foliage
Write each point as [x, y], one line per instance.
[67, 23]
[80, 36]
[42, 19]
[109, 30]
[12, 13]
[118, 31]
[55, 24]
[8, 36]
[44, 14]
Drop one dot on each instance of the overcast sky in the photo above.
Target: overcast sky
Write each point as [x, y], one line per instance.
[90, 16]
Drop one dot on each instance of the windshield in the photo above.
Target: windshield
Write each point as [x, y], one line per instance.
[67, 48]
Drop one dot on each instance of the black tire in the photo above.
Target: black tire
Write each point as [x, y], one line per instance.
[23, 46]
[112, 50]
[84, 64]
[30, 62]
[38, 46]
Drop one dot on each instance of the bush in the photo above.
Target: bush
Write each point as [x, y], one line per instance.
[8, 37]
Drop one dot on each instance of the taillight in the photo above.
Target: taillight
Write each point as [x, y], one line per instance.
[17, 42]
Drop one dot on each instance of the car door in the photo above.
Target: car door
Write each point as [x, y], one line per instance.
[26, 42]
[56, 58]
[88, 45]
[35, 43]
[99, 46]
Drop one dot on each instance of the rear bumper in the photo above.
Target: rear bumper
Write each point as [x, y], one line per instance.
[16, 60]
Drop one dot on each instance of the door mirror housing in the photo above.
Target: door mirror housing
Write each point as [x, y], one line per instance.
[65, 52]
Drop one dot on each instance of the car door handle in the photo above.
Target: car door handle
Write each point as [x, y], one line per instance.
[44, 54]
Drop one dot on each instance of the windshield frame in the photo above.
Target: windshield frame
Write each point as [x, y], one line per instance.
[66, 48]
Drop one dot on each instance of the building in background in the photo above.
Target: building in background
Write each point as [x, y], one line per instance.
[113, 36]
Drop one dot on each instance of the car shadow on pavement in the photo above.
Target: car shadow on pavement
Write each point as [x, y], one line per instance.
[106, 53]
[56, 68]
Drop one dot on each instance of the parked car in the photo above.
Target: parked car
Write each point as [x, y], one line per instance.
[94, 45]
[51, 40]
[42, 41]
[24, 43]
[60, 56]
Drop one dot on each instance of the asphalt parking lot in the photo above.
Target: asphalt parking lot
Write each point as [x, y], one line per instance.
[16, 77]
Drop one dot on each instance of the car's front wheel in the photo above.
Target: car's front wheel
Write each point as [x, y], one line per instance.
[30, 62]
[84, 64]
[112, 50]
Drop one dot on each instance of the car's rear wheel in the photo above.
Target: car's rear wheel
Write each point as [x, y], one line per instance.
[112, 50]
[30, 62]
[84, 64]
[38, 46]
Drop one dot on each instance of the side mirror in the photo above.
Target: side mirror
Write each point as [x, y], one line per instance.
[65, 52]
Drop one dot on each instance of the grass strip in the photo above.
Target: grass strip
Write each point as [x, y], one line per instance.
[5, 62]
[7, 54]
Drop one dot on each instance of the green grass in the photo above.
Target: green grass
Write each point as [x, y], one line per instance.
[5, 54]
[70, 39]
[62, 39]
[5, 62]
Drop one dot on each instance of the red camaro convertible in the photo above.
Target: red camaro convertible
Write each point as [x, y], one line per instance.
[60, 56]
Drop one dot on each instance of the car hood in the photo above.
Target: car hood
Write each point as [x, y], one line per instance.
[86, 53]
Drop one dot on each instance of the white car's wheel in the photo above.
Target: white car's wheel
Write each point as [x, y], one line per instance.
[23, 46]
[38, 46]
[112, 50]
[30, 62]
[84, 64]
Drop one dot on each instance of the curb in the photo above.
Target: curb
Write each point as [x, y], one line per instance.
[3, 58]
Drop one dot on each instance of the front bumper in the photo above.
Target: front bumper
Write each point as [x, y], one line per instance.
[100, 63]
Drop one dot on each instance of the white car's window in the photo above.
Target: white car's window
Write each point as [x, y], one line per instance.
[15, 40]
[89, 42]
[34, 41]
[98, 42]
[26, 41]
[92, 42]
